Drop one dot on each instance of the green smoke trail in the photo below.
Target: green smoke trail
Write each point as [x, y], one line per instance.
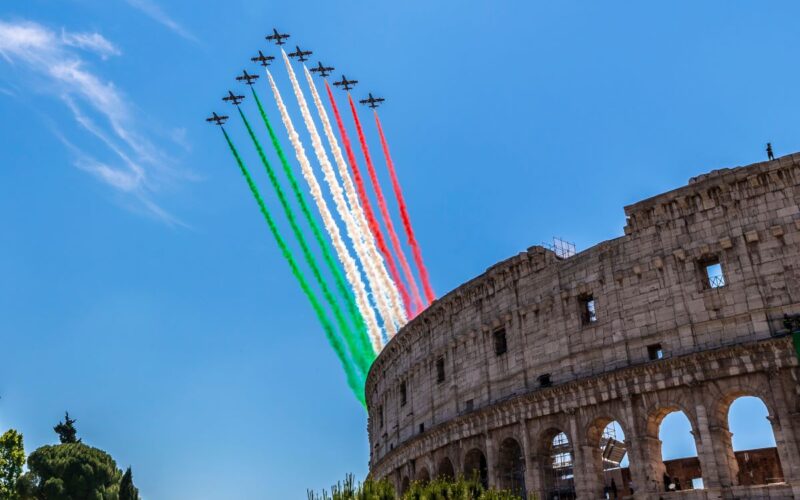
[363, 338]
[356, 385]
[355, 349]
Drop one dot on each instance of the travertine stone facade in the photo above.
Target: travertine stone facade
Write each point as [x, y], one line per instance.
[628, 330]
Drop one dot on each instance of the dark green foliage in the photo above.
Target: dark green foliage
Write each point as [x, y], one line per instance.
[440, 489]
[12, 458]
[127, 491]
[71, 471]
[67, 433]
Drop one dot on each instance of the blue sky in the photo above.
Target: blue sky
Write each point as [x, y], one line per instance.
[139, 287]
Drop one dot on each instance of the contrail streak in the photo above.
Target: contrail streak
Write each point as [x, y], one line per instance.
[387, 220]
[356, 385]
[356, 349]
[401, 202]
[361, 306]
[351, 271]
[366, 205]
[328, 173]
[366, 243]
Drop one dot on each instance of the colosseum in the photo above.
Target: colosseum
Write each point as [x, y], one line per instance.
[515, 376]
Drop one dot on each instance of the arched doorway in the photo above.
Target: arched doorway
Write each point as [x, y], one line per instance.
[610, 457]
[511, 467]
[679, 468]
[475, 466]
[445, 469]
[559, 479]
[753, 443]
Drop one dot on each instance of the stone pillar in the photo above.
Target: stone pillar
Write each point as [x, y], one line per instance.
[649, 476]
[591, 472]
[785, 426]
[711, 442]
[491, 462]
[532, 478]
[581, 464]
[644, 453]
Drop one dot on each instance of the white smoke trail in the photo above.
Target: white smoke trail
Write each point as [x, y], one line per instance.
[384, 306]
[349, 265]
[357, 211]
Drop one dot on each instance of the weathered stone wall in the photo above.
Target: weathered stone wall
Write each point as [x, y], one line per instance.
[649, 289]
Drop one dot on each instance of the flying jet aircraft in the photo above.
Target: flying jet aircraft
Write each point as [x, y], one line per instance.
[233, 98]
[322, 70]
[247, 78]
[215, 118]
[300, 54]
[345, 83]
[262, 59]
[276, 37]
[372, 102]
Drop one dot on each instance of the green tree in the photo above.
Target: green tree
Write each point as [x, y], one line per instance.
[67, 433]
[127, 491]
[12, 458]
[69, 472]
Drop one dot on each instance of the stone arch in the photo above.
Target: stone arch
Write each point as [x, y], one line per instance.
[749, 467]
[661, 474]
[511, 466]
[609, 447]
[556, 452]
[475, 465]
[445, 469]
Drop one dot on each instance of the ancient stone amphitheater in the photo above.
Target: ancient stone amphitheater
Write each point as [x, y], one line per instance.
[515, 375]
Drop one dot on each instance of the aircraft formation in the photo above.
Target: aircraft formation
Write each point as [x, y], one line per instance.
[301, 55]
[362, 292]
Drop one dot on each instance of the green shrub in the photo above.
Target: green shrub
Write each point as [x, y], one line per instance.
[440, 489]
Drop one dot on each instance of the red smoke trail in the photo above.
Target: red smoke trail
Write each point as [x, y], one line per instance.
[362, 195]
[384, 210]
[412, 239]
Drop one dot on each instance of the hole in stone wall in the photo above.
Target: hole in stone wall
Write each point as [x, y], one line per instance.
[654, 352]
[588, 309]
[713, 273]
[500, 346]
[440, 370]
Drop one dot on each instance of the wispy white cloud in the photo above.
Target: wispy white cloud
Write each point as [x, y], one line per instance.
[90, 41]
[140, 166]
[153, 10]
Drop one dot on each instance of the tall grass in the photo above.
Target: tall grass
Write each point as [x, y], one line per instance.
[439, 489]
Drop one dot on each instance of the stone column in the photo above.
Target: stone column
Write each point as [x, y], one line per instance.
[532, 478]
[713, 443]
[491, 463]
[785, 425]
[581, 464]
[644, 452]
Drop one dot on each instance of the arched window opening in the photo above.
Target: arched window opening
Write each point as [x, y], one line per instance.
[511, 467]
[475, 466]
[445, 469]
[614, 461]
[681, 466]
[558, 474]
[753, 442]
